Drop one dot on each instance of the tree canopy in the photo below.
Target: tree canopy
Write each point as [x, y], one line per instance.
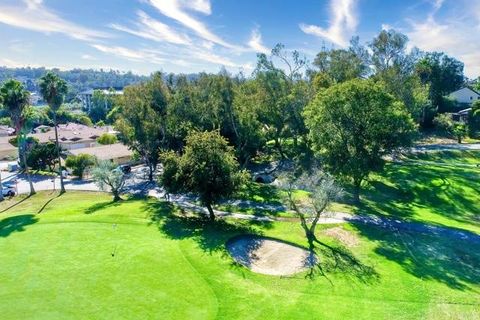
[207, 168]
[354, 124]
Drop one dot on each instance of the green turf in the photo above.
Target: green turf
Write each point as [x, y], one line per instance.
[56, 263]
[444, 191]
[441, 188]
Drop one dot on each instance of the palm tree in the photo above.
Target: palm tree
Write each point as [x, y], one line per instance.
[15, 101]
[53, 90]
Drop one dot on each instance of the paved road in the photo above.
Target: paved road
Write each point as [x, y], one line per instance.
[137, 182]
[446, 147]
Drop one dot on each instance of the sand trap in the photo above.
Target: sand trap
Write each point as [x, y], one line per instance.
[269, 256]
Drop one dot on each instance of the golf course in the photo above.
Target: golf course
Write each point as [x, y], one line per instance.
[82, 256]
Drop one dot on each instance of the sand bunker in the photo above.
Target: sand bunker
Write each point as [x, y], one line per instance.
[269, 256]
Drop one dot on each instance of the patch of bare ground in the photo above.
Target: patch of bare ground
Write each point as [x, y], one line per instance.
[347, 238]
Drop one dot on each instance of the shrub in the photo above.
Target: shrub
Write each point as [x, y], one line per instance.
[107, 138]
[79, 164]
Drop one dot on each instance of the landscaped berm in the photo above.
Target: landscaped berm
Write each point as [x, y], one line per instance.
[82, 256]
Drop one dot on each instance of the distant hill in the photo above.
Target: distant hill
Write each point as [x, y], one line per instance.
[78, 79]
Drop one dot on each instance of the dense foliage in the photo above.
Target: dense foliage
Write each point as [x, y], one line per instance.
[79, 164]
[207, 168]
[355, 124]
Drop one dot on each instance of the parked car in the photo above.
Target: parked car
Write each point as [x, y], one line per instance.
[126, 169]
[8, 191]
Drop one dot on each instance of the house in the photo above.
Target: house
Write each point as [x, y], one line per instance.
[465, 95]
[118, 153]
[86, 96]
[6, 131]
[462, 115]
[71, 135]
[7, 150]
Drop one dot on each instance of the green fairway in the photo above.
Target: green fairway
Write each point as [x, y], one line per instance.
[84, 257]
[440, 188]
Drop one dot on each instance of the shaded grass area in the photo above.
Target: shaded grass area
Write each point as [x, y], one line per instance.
[433, 194]
[443, 192]
[171, 265]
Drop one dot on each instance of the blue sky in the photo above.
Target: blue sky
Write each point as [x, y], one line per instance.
[206, 35]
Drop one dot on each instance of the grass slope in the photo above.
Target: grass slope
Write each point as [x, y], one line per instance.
[56, 262]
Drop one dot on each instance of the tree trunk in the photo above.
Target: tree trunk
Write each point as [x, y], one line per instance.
[210, 211]
[1, 187]
[116, 196]
[356, 190]
[150, 173]
[27, 172]
[459, 139]
[62, 186]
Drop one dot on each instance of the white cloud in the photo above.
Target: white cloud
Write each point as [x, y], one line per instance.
[175, 9]
[256, 42]
[36, 17]
[343, 23]
[129, 54]
[202, 6]
[152, 29]
[88, 57]
[452, 36]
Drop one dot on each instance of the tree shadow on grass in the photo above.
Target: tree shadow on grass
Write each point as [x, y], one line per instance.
[451, 193]
[48, 202]
[16, 224]
[211, 236]
[338, 259]
[102, 205]
[453, 262]
[15, 204]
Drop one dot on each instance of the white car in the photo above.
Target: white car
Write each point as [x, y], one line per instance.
[8, 191]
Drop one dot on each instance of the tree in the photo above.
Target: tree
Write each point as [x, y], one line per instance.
[474, 118]
[322, 191]
[443, 74]
[142, 120]
[53, 90]
[456, 129]
[281, 97]
[388, 50]
[109, 177]
[42, 156]
[102, 103]
[15, 101]
[340, 65]
[207, 168]
[107, 138]
[80, 163]
[353, 125]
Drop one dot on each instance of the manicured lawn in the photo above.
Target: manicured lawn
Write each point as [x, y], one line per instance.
[442, 192]
[441, 188]
[58, 264]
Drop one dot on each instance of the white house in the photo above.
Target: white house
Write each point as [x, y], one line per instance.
[465, 95]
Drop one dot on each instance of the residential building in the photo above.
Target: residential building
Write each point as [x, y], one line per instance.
[7, 150]
[465, 95]
[6, 131]
[118, 153]
[71, 135]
